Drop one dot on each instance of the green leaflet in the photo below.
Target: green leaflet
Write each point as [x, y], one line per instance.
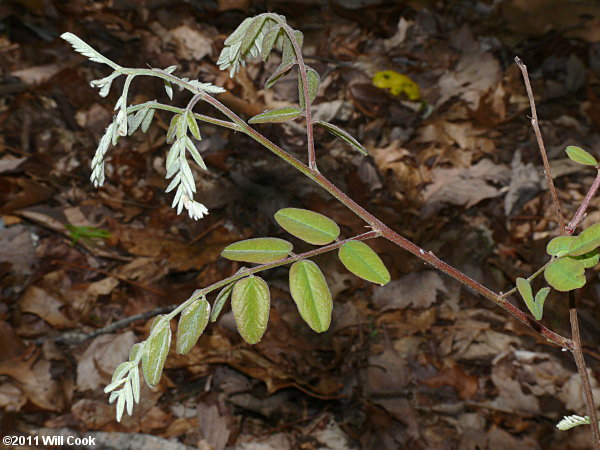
[251, 34]
[535, 305]
[147, 120]
[250, 303]
[191, 325]
[277, 115]
[589, 259]
[156, 352]
[312, 296]
[559, 246]
[258, 250]
[135, 120]
[309, 226]
[580, 156]
[282, 70]
[133, 353]
[344, 135]
[192, 125]
[220, 302]
[269, 41]
[313, 79]
[586, 241]
[172, 131]
[539, 300]
[363, 262]
[565, 274]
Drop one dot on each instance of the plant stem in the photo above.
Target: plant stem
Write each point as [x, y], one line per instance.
[312, 161]
[582, 369]
[252, 270]
[538, 135]
[573, 319]
[584, 205]
[390, 234]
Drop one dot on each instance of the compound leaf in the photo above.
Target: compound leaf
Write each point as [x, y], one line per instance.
[250, 303]
[192, 323]
[312, 296]
[309, 226]
[258, 250]
[363, 262]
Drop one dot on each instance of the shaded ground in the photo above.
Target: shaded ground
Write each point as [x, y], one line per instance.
[419, 363]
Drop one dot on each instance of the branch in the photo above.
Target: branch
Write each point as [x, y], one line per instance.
[75, 337]
[582, 369]
[538, 135]
[584, 206]
[312, 162]
[390, 234]
[575, 337]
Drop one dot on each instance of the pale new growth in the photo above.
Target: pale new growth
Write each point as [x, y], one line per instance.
[569, 422]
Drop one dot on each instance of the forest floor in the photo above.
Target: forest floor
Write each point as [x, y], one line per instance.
[420, 363]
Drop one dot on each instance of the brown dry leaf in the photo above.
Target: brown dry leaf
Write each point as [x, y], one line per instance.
[17, 249]
[83, 296]
[572, 394]
[463, 186]
[511, 396]
[417, 290]
[574, 19]
[11, 397]
[191, 43]
[42, 303]
[474, 75]
[464, 384]
[12, 345]
[10, 164]
[98, 362]
[179, 255]
[445, 133]
[36, 381]
[38, 74]
[501, 440]
[399, 161]
[214, 426]
[93, 414]
[472, 338]
[387, 373]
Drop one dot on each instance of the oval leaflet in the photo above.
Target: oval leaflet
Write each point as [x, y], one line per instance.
[258, 250]
[363, 262]
[312, 296]
[250, 303]
[309, 226]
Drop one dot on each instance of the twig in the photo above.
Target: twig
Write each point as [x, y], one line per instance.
[390, 234]
[540, 141]
[582, 369]
[584, 205]
[76, 337]
[312, 161]
[575, 337]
